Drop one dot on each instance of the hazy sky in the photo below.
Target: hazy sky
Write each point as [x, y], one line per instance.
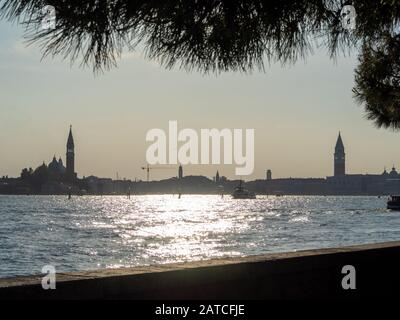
[296, 112]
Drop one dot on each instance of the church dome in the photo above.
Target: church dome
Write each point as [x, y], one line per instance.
[53, 165]
[56, 167]
[393, 173]
[61, 166]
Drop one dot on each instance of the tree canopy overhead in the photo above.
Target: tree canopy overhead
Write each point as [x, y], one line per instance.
[226, 35]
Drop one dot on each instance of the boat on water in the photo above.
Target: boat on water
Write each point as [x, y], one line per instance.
[393, 203]
[241, 193]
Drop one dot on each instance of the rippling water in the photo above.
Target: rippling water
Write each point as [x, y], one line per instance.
[108, 232]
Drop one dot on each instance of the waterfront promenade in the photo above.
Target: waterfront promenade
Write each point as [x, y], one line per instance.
[294, 275]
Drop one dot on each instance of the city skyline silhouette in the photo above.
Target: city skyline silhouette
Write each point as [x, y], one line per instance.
[296, 112]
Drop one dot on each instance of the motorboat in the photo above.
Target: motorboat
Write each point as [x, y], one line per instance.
[241, 193]
[393, 203]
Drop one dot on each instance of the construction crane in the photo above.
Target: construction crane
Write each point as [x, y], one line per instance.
[148, 169]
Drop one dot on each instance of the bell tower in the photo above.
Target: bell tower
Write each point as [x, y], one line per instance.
[339, 158]
[70, 168]
[180, 172]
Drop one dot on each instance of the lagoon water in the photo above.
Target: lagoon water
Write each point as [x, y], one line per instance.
[93, 232]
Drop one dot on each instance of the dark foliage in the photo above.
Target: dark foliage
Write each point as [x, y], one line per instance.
[224, 35]
[378, 82]
[208, 35]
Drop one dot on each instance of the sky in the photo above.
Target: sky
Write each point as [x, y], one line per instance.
[296, 112]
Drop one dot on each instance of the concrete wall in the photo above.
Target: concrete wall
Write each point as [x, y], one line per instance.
[303, 274]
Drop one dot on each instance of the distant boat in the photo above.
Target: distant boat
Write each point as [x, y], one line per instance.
[393, 203]
[242, 193]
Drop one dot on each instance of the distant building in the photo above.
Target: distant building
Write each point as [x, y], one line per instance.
[70, 174]
[217, 177]
[393, 174]
[339, 158]
[359, 184]
[338, 184]
[56, 168]
[100, 185]
[290, 186]
[53, 178]
[180, 172]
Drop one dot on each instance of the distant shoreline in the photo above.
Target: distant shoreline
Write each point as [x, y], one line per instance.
[193, 194]
[350, 185]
